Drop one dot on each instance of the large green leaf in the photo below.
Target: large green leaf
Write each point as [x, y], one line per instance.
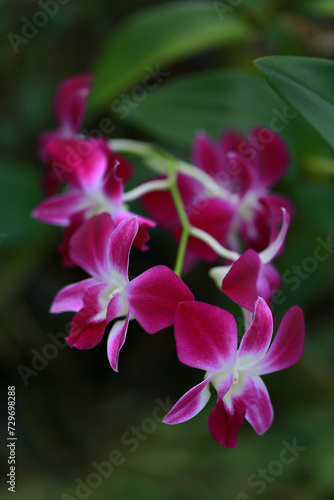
[214, 101]
[157, 36]
[306, 84]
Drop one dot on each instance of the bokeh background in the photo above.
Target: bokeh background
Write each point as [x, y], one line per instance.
[73, 409]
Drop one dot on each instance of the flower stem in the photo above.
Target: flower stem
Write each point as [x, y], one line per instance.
[181, 252]
[214, 244]
[147, 187]
[174, 191]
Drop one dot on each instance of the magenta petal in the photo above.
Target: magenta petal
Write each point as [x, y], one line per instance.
[256, 340]
[116, 340]
[70, 298]
[119, 246]
[271, 156]
[207, 156]
[206, 336]
[153, 297]
[113, 186]
[288, 344]
[271, 277]
[88, 246]
[240, 172]
[240, 283]
[260, 415]
[59, 209]
[64, 248]
[80, 162]
[225, 420]
[115, 307]
[225, 424]
[85, 333]
[274, 203]
[88, 325]
[70, 100]
[190, 404]
[142, 236]
[232, 141]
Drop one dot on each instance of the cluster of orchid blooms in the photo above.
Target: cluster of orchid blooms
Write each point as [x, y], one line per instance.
[220, 210]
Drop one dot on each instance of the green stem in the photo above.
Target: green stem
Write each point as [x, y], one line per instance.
[181, 252]
[183, 219]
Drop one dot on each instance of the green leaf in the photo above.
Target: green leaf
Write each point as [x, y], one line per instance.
[215, 101]
[157, 36]
[306, 84]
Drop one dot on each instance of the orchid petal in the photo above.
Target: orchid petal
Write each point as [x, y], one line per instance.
[256, 340]
[271, 157]
[260, 415]
[88, 246]
[207, 156]
[117, 307]
[190, 404]
[225, 424]
[240, 283]
[70, 100]
[84, 333]
[142, 236]
[64, 248]
[228, 415]
[80, 162]
[154, 296]
[218, 274]
[272, 277]
[241, 176]
[272, 250]
[116, 340]
[88, 325]
[232, 141]
[70, 298]
[287, 346]
[274, 202]
[119, 246]
[206, 336]
[59, 209]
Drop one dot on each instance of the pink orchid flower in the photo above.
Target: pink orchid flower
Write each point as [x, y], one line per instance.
[68, 154]
[227, 194]
[252, 275]
[96, 187]
[151, 298]
[206, 338]
[248, 168]
[69, 109]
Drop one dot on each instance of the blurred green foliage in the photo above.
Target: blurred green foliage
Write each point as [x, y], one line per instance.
[75, 409]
